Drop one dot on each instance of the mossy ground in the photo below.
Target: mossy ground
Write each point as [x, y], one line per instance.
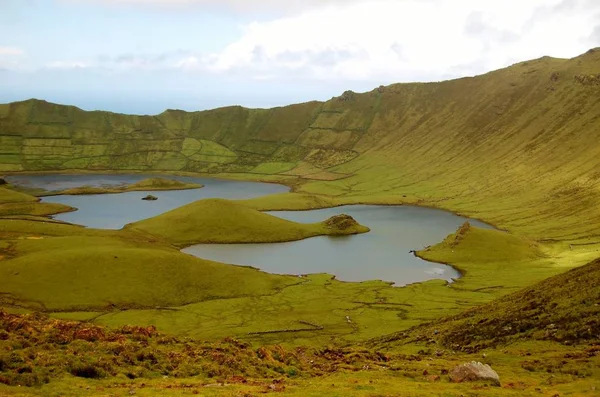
[57, 358]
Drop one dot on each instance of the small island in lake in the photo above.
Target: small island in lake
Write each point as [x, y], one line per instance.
[149, 184]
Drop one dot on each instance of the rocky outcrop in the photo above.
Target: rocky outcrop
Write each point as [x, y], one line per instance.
[460, 234]
[347, 96]
[341, 222]
[473, 372]
[588, 79]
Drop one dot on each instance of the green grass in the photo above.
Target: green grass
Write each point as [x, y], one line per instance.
[562, 309]
[11, 196]
[58, 358]
[106, 272]
[273, 168]
[223, 221]
[14, 203]
[33, 208]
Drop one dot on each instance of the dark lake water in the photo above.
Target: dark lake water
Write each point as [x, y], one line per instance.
[381, 254]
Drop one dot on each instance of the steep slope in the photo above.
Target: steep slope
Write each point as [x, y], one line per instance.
[563, 308]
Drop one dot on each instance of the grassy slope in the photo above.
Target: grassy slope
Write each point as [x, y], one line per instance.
[16, 203]
[46, 265]
[563, 309]
[494, 264]
[515, 146]
[11, 196]
[223, 221]
[110, 271]
[492, 260]
[35, 350]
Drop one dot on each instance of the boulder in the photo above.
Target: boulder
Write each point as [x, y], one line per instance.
[473, 372]
[150, 198]
[3, 182]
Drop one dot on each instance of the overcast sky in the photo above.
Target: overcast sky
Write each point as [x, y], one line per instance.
[143, 56]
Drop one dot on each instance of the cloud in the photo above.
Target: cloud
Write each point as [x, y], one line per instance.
[151, 61]
[10, 51]
[276, 6]
[389, 40]
[382, 41]
[67, 65]
[596, 35]
[10, 57]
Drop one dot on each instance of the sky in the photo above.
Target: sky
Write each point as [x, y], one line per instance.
[145, 56]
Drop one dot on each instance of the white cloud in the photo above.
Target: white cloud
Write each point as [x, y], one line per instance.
[238, 5]
[10, 51]
[390, 40]
[10, 57]
[67, 65]
[378, 41]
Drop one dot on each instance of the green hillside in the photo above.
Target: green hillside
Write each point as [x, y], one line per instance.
[563, 309]
[517, 148]
[106, 273]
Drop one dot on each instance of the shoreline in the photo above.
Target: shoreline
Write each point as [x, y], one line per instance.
[228, 177]
[231, 177]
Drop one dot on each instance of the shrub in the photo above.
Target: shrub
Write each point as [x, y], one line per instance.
[87, 371]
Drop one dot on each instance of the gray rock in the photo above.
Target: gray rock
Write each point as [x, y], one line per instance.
[474, 371]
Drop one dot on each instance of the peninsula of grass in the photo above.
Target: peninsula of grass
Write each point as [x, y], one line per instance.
[145, 185]
[13, 203]
[223, 221]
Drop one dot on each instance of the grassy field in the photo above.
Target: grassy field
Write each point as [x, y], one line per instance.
[533, 339]
[516, 147]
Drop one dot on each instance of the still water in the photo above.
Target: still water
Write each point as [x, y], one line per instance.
[113, 211]
[381, 254]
